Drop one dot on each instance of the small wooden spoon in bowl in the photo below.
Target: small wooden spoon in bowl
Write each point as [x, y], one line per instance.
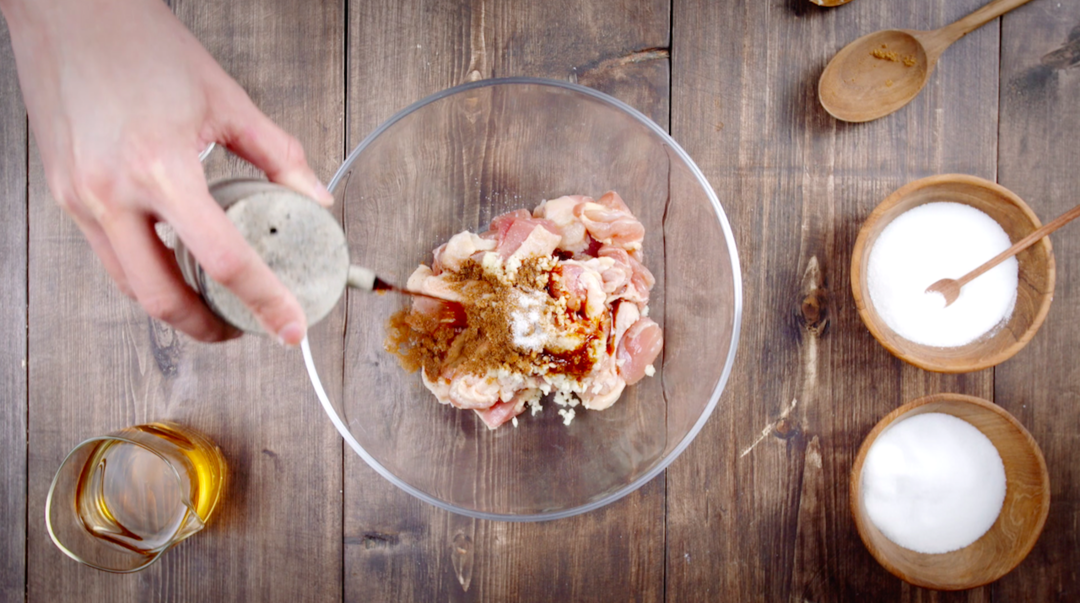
[950, 288]
[881, 72]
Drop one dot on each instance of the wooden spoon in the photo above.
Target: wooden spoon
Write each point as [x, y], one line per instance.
[950, 288]
[881, 72]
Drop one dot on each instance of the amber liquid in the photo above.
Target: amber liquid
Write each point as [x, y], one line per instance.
[132, 498]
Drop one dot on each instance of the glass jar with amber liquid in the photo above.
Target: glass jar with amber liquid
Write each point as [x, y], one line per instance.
[118, 502]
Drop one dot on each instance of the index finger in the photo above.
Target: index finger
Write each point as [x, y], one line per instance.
[223, 252]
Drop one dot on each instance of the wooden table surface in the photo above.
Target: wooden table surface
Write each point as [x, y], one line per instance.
[757, 507]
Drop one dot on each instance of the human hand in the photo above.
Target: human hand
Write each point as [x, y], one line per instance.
[121, 98]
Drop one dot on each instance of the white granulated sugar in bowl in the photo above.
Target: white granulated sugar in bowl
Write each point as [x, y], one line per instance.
[926, 244]
[933, 483]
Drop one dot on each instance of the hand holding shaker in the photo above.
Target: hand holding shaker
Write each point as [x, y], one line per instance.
[297, 238]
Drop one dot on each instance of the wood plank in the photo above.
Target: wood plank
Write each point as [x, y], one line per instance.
[12, 328]
[398, 548]
[758, 506]
[1038, 156]
[98, 364]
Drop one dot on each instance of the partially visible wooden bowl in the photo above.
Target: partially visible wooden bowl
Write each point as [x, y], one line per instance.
[1007, 542]
[1036, 272]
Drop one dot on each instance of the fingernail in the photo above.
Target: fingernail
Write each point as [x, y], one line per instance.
[322, 193]
[291, 335]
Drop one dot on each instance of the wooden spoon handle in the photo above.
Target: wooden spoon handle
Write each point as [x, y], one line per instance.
[1022, 244]
[945, 36]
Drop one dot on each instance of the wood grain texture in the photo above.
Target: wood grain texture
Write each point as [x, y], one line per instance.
[1040, 119]
[757, 506]
[397, 548]
[12, 328]
[99, 364]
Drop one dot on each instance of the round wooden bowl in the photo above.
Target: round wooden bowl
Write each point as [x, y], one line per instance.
[1036, 273]
[1007, 542]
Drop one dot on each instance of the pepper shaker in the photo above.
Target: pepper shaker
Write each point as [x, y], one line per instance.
[298, 239]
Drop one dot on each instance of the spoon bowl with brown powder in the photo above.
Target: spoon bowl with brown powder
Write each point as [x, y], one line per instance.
[881, 72]
[450, 164]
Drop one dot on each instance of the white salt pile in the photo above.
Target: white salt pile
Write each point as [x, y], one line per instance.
[527, 321]
[933, 483]
[929, 243]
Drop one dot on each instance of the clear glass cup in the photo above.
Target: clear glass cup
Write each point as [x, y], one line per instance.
[118, 502]
[451, 163]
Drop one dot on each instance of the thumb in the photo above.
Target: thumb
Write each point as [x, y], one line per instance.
[249, 133]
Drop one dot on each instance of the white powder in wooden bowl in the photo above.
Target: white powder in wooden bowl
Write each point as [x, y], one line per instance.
[926, 244]
[933, 483]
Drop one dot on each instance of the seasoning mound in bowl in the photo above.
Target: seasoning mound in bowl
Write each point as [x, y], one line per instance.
[933, 483]
[549, 302]
[934, 241]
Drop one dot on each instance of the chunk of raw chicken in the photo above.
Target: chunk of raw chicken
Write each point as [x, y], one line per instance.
[461, 247]
[581, 285]
[473, 391]
[502, 412]
[510, 230]
[605, 385]
[635, 278]
[540, 242]
[561, 212]
[638, 349]
[423, 280]
[609, 221]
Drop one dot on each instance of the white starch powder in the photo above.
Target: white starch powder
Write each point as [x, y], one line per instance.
[933, 483]
[929, 243]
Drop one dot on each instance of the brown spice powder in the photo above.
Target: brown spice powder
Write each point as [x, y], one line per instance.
[891, 55]
[885, 55]
[483, 339]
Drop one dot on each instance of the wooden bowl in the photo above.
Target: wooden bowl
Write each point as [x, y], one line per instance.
[1036, 273]
[1007, 542]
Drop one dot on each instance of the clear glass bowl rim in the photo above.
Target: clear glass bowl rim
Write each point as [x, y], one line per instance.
[729, 238]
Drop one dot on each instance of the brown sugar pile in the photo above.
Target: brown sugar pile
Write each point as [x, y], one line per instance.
[477, 337]
[885, 54]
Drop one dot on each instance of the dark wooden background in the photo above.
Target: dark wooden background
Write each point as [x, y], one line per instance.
[757, 508]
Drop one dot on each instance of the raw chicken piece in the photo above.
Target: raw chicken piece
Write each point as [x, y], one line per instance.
[609, 221]
[472, 391]
[605, 385]
[423, 280]
[626, 316]
[614, 202]
[439, 387]
[510, 230]
[461, 247]
[501, 223]
[638, 349]
[566, 284]
[503, 411]
[540, 242]
[583, 286]
[561, 212]
[640, 281]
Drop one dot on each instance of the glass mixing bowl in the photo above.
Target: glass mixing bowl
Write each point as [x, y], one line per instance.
[452, 162]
